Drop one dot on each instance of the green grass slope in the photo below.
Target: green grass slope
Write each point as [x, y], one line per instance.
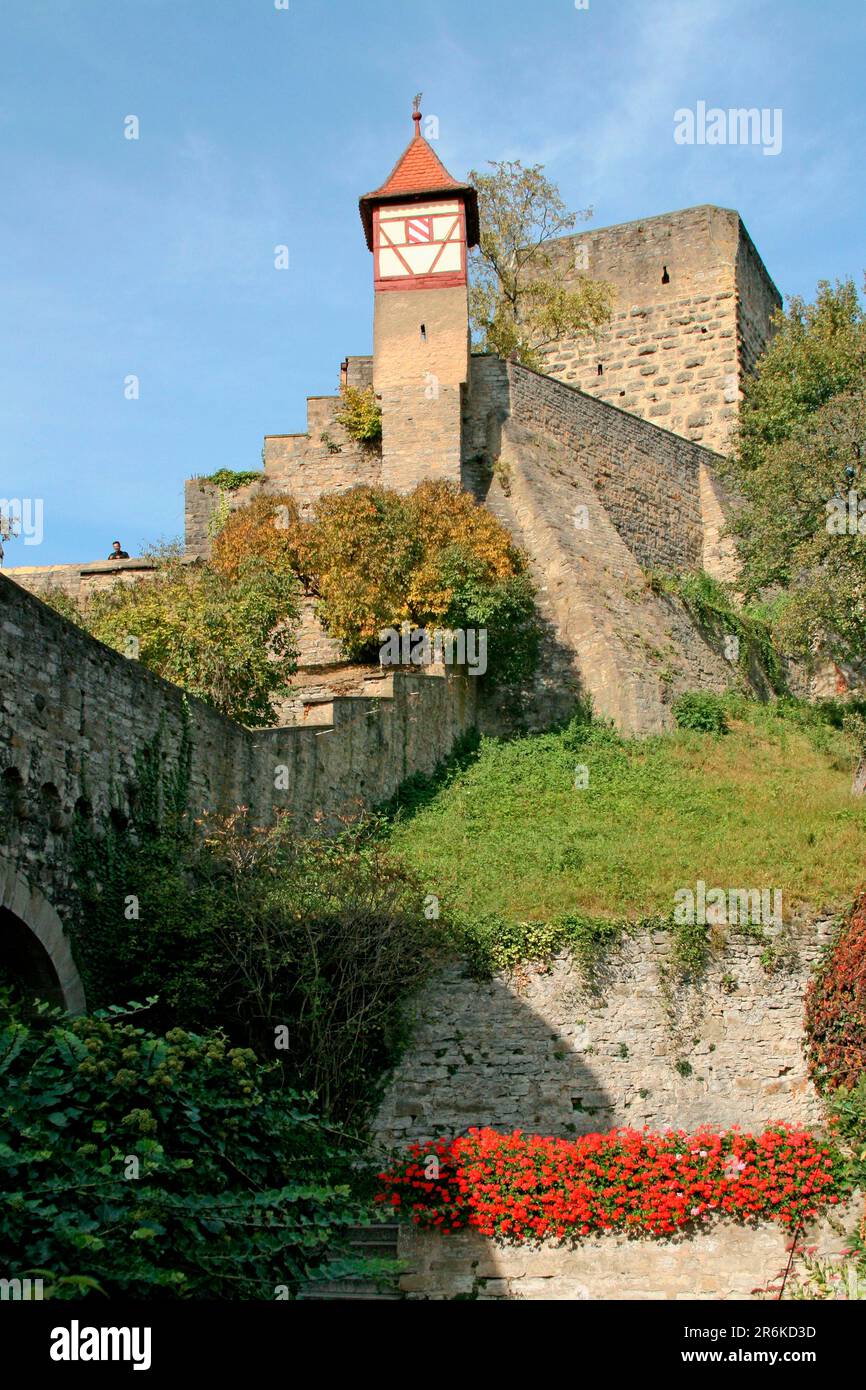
[766, 805]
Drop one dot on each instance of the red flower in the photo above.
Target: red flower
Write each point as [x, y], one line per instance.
[528, 1187]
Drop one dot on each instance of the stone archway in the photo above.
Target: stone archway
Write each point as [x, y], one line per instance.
[29, 908]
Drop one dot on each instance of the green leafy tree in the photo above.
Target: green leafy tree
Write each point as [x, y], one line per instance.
[799, 464]
[516, 304]
[227, 638]
[800, 439]
[375, 558]
[258, 931]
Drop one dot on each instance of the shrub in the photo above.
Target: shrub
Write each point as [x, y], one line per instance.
[360, 414]
[151, 1166]
[227, 638]
[527, 1187]
[701, 711]
[327, 938]
[304, 948]
[376, 558]
[836, 1007]
[62, 603]
[847, 1108]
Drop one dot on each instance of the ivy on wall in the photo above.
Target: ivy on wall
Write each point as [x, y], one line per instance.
[713, 608]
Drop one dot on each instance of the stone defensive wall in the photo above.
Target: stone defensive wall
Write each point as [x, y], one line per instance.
[74, 715]
[593, 495]
[647, 479]
[590, 492]
[80, 581]
[662, 492]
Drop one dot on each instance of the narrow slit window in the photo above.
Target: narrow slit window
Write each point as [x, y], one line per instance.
[600, 370]
[423, 333]
[666, 279]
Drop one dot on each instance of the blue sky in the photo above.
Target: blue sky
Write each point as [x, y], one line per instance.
[261, 126]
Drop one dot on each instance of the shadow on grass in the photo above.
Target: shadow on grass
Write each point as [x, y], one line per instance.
[413, 795]
[422, 787]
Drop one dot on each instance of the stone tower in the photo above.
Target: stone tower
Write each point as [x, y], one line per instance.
[693, 312]
[420, 225]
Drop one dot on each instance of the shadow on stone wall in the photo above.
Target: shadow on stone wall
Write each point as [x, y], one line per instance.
[542, 1050]
[726, 1260]
[482, 1054]
[539, 1050]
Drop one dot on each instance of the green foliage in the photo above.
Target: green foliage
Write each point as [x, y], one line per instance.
[231, 480]
[656, 815]
[227, 640]
[818, 352]
[517, 303]
[375, 558]
[701, 711]
[847, 1110]
[224, 633]
[361, 415]
[690, 954]
[142, 1166]
[62, 603]
[143, 860]
[503, 607]
[715, 610]
[256, 931]
[797, 455]
[219, 516]
[490, 943]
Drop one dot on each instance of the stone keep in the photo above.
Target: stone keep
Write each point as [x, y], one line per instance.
[693, 309]
[420, 225]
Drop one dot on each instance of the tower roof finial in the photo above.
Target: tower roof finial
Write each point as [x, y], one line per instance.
[419, 174]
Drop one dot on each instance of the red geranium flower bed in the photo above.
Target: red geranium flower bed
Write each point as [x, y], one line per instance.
[527, 1187]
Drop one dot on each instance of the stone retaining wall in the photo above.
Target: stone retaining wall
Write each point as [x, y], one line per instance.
[727, 1261]
[538, 1050]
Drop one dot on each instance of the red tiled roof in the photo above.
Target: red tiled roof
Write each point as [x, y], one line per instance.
[419, 172]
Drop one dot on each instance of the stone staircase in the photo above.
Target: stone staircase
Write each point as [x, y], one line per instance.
[377, 1242]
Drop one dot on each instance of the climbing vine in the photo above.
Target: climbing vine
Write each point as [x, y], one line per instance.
[119, 863]
[710, 604]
